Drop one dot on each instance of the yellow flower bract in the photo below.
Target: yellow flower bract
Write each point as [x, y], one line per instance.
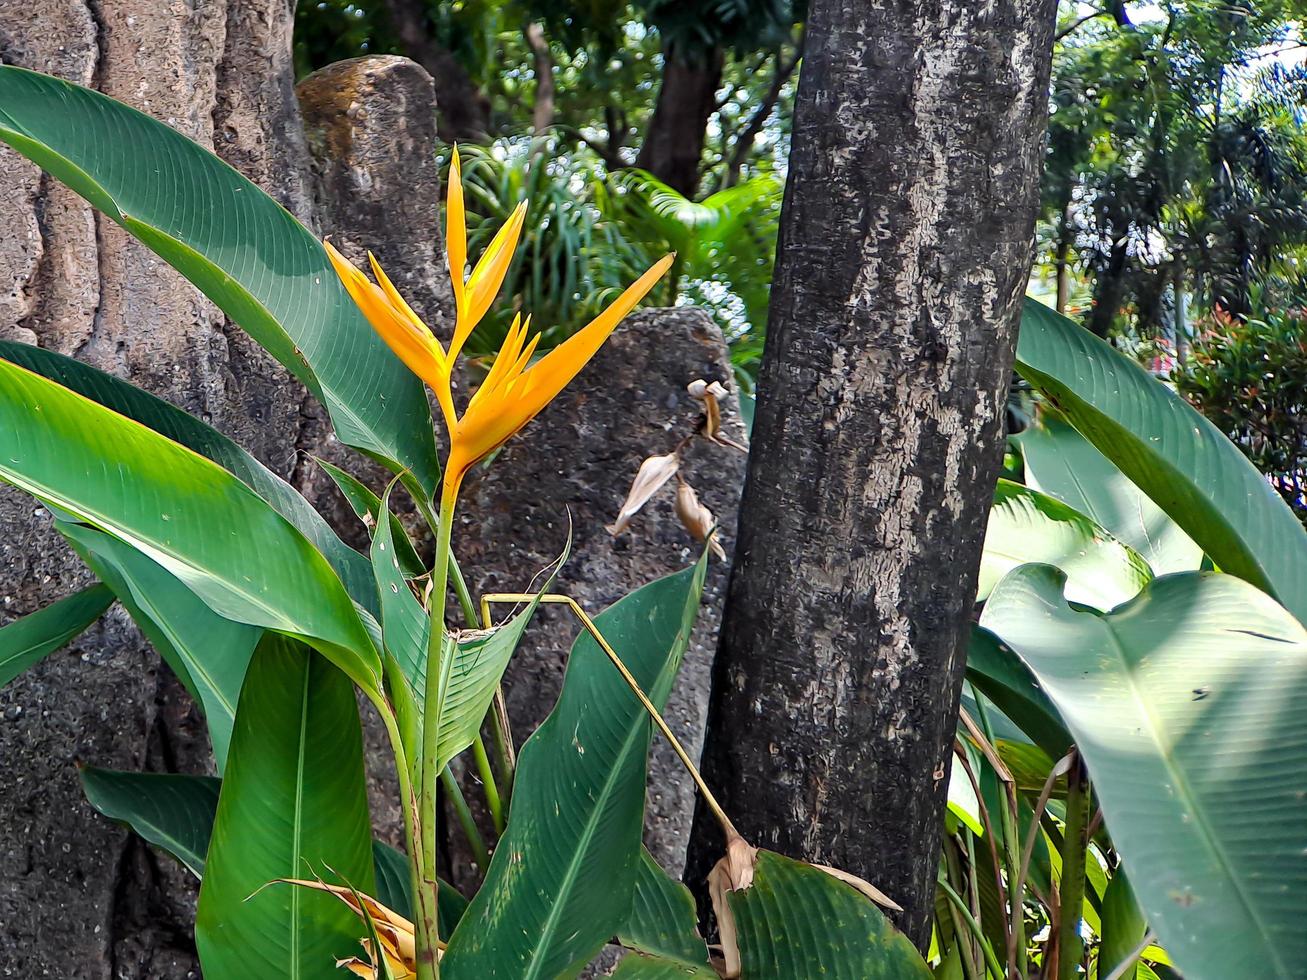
[515, 390]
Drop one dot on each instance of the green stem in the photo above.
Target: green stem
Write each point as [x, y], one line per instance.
[488, 784]
[963, 941]
[1070, 944]
[474, 840]
[408, 804]
[428, 934]
[453, 570]
[1012, 840]
[991, 961]
[503, 756]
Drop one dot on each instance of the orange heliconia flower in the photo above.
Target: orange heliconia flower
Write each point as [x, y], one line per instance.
[515, 390]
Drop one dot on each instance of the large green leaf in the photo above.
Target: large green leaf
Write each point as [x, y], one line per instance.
[473, 672]
[205, 527]
[1026, 525]
[561, 881]
[796, 921]
[366, 506]
[474, 660]
[1059, 461]
[405, 625]
[170, 811]
[998, 673]
[642, 966]
[1124, 927]
[663, 922]
[175, 812]
[208, 653]
[1171, 452]
[294, 804]
[183, 428]
[1187, 706]
[26, 641]
[242, 249]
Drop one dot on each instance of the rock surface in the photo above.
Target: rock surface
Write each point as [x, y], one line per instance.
[579, 458]
[371, 127]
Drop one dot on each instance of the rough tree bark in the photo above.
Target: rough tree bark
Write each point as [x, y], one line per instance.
[673, 143]
[905, 246]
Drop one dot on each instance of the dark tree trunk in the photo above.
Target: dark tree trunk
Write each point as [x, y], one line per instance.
[905, 247]
[464, 110]
[673, 145]
[1109, 289]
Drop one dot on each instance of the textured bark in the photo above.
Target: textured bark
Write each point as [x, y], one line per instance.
[904, 251]
[673, 144]
[578, 459]
[77, 899]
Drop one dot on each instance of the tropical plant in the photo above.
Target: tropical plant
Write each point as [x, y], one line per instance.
[273, 623]
[1127, 712]
[588, 231]
[725, 247]
[1248, 377]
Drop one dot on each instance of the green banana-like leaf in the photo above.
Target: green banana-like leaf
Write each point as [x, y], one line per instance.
[561, 881]
[366, 506]
[175, 812]
[181, 427]
[28, 640]
[1061, 462]
[172, 812]
[662, 922]
[405, 625]
[229, 238]
[183, 511]
[1124, 927]
[1186, 704]
[998, 673]
[1171, 452]
[472, 674]
[474, 661]
[1026, 525]
[294, 804]
[643, 966]
[797, 921]
[208, 654]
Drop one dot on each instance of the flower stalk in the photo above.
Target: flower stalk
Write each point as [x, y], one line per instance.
[516, 389]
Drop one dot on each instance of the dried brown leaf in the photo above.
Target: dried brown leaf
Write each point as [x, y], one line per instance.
[697, 518]
[653, 474]
[732, 873]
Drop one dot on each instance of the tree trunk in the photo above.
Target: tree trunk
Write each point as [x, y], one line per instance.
[78, 897]
[1063, 260]
[1109, 289]
[673, 145]
[542, 112]
[904, 252]
[464, 109]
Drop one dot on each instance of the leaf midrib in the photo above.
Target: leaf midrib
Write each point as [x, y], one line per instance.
[1187, 794]
[296, 835]
[59, 640]
[569, 878]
